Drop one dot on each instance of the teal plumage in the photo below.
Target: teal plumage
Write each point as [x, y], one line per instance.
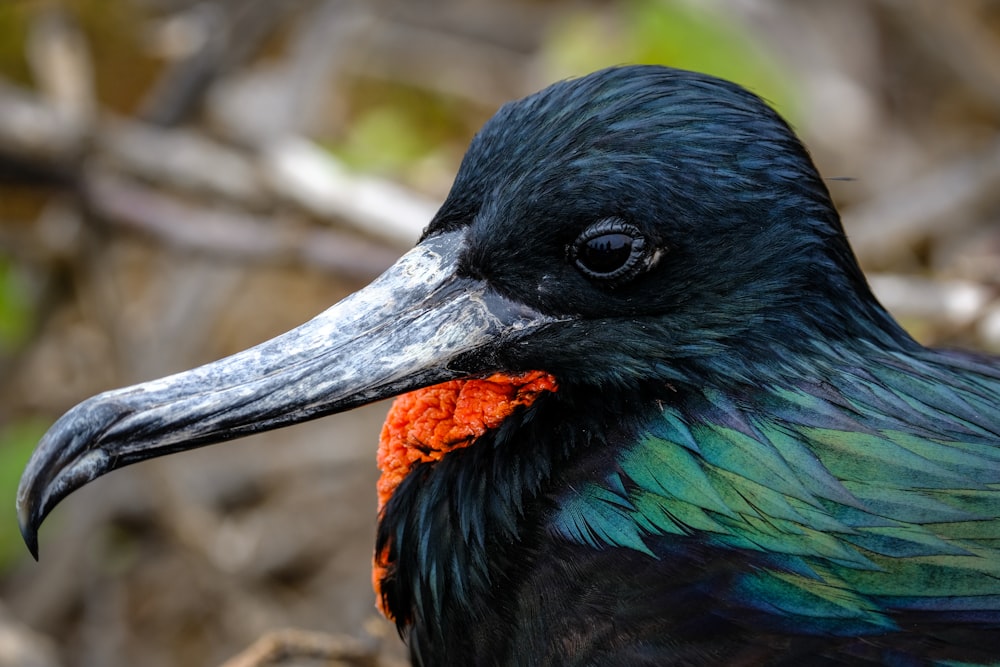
[872, 494]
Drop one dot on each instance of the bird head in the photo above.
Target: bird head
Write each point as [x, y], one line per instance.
[631, 226]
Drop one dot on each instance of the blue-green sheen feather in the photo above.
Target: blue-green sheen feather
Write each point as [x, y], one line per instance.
[869, 493]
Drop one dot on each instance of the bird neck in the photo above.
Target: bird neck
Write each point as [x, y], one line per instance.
[661, 473]
[424, 425]
[451, 537]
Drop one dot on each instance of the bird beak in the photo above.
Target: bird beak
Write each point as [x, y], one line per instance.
[418, 324]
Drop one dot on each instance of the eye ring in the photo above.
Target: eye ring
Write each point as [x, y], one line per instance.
[611, 251]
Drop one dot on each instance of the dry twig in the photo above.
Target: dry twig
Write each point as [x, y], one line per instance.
[288, 645]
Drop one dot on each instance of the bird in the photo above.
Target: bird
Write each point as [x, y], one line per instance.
[649, 411]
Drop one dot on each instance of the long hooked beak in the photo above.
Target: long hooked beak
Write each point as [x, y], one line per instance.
[418, 324]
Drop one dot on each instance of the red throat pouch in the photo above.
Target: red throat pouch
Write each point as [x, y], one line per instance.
[424, 425]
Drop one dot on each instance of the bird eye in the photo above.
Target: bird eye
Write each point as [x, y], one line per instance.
[610, 250]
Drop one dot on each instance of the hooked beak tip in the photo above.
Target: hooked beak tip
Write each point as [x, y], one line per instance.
[29, 528]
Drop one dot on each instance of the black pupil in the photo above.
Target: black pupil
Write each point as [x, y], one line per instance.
[607, 252]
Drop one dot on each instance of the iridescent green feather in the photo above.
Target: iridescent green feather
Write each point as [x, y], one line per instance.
[874, 496]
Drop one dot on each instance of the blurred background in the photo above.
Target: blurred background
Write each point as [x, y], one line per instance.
[181, 179]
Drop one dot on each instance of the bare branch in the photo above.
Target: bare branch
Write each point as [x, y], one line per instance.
[281, 646]
[292, 170]
[957, 303]
[885, 227]
[237, 236]
[60, 60]
[309, 177]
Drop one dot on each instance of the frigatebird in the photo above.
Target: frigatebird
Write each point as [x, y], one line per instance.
[659, 418]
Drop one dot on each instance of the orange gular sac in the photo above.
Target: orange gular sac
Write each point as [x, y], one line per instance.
[424, 425]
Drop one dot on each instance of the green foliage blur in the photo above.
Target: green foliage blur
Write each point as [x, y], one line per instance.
[395, 130]
[17, 441]
[15, 309]
[680, 34]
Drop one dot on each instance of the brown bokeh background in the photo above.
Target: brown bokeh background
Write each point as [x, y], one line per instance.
[181, 179]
